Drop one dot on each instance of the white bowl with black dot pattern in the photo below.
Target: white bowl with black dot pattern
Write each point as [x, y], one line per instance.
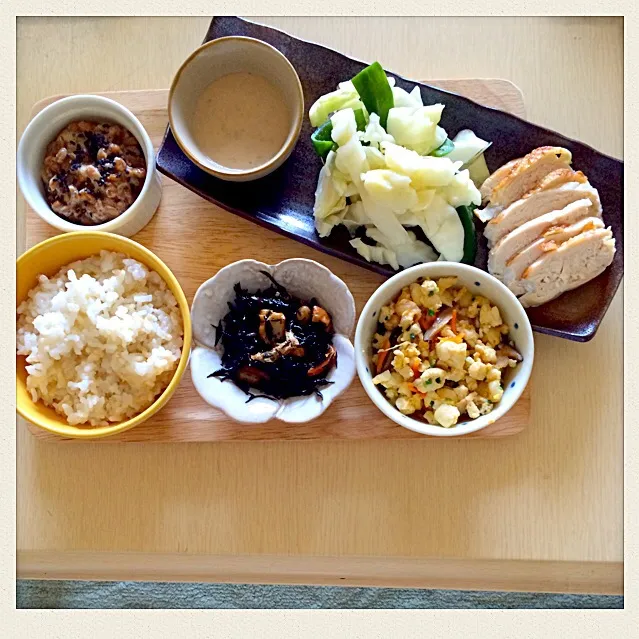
[478, 282]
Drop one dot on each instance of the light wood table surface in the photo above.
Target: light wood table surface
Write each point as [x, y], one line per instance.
[539, 511]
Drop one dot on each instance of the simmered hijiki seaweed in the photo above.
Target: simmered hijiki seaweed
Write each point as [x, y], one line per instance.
[276, 343]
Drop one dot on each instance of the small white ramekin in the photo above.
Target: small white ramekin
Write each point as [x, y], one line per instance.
[477, 282]
[46, 125]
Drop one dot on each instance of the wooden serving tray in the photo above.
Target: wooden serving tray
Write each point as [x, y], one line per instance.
[196, 238]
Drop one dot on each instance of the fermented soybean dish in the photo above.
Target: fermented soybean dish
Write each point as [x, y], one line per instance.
[92, 172]
[440, 353]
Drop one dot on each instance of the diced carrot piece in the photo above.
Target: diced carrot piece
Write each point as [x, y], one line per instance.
[426, 321]
[381, 356]
[414, 389]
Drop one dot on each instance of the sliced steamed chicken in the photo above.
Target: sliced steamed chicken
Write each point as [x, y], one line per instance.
[550, 240]
[495, 178]
[545, 230]
[527, 233]
[550, 195]
[522, 176]
[573, 263]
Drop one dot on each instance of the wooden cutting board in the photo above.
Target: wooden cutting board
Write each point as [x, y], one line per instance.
[195, 239]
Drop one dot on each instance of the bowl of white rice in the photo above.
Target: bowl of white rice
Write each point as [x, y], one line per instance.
[103, 334]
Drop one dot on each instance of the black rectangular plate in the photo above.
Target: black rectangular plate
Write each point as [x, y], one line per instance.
[283, 201]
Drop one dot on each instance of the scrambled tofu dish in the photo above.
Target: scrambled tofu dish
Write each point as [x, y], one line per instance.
[440, 352]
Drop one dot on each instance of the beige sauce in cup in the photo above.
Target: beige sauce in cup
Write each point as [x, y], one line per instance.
[241, 120]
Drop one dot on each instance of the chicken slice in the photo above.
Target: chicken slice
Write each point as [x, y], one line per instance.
[549, 241]
[573, 263]
[523, 176]
[522, 236]
[486, 189]
[536, 203]
[558, 177]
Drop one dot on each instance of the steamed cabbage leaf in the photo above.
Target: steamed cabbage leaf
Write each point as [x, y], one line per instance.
[374, 134]
[377, 253]
[443, 228]
[467, 147]
[344, 126]
[345, 96]
[461, 191]
[424, 171]
[416, 127]
[330, 193]
[408, 254]
[391, 189]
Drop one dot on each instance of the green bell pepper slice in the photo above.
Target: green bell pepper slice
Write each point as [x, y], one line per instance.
[444, 149]
[322, 141]
[374, 91]
[470, 236]
[321, 137]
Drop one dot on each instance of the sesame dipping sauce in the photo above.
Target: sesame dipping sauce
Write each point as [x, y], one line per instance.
[241, 120]
[92, 172]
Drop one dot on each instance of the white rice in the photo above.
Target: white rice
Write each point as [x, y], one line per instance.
[102, 339]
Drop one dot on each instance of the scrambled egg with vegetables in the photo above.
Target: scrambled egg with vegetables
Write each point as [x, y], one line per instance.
[440, 352]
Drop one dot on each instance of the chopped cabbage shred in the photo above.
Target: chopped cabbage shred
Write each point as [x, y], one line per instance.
[343, 98]
[381, 182]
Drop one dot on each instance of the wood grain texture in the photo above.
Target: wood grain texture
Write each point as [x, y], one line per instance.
[554, 493]
[178, 236]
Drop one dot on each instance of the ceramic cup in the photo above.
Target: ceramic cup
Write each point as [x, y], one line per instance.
[233, 54]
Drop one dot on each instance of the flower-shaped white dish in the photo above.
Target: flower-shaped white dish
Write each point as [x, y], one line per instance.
[303, 278]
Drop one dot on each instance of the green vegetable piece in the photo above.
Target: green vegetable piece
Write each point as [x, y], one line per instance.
[470, 238]
[323, 147]
[444, 149]
[374, 91]
[321, 137]
[322, 141]
[360, 119]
